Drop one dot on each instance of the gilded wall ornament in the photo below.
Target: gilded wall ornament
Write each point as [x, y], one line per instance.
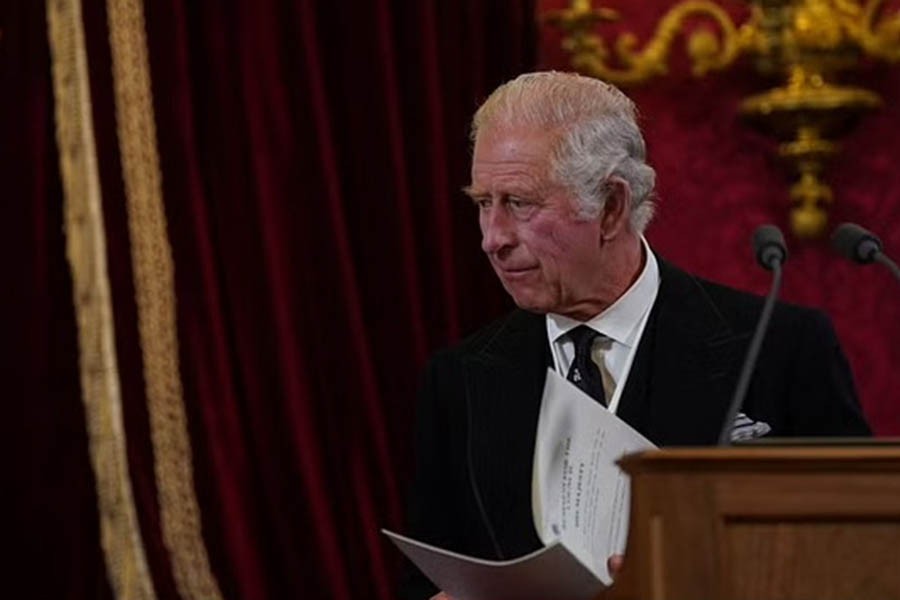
[806, 44]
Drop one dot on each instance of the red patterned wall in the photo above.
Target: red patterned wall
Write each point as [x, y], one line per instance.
[718, 180]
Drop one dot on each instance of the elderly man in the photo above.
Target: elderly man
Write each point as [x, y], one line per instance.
[563, 195]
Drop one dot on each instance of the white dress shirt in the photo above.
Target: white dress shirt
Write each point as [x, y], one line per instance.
[622, 323]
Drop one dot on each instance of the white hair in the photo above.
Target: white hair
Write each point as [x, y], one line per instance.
[599, 136]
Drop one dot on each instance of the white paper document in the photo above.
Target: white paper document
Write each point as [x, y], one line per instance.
[551, 572]
[580, 496]
[580, 499]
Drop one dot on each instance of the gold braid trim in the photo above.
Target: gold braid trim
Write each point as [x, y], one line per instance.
[154, 285]
[120, 534]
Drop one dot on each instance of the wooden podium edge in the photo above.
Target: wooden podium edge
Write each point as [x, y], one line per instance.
[786, 468]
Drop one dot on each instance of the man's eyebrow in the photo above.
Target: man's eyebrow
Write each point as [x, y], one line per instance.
[473, 192]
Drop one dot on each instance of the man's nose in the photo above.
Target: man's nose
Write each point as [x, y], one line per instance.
[497, 231]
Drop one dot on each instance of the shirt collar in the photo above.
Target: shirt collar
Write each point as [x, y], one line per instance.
[620, 320]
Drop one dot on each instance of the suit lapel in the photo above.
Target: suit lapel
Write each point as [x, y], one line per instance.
[504, 384]
[677, 393]
[685, 368]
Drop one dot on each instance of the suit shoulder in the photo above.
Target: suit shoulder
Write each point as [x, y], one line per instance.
[487, 336]
[744, 308]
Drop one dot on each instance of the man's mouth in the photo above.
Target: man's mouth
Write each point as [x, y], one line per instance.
[514, 272]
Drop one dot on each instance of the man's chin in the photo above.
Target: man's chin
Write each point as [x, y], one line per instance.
[531, 304]
[527, 296]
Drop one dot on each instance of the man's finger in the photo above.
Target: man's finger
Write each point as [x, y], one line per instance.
[614, 564]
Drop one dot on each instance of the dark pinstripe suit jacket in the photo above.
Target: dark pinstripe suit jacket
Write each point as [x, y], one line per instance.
[480, 400]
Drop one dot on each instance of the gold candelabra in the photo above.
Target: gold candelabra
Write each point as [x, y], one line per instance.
[805, 43]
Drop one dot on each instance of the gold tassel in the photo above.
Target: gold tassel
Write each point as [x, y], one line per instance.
[154, 283]
[120, 535]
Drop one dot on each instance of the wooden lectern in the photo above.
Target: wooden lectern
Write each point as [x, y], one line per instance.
[763, 523]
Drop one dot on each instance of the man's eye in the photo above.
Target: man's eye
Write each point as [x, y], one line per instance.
[520, 207]
[482, 203]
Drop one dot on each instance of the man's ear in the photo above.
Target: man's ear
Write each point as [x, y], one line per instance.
[617, 208]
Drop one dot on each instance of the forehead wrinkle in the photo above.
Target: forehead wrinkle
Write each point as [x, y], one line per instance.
[513, 159]
[511, 176]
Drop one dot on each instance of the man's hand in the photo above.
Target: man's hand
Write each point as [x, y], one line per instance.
[614, 564]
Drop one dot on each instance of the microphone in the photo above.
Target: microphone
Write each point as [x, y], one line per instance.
[769, 247]
[861, 246]
[771, 252]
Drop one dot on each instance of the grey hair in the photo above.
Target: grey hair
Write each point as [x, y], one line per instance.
[599, 135]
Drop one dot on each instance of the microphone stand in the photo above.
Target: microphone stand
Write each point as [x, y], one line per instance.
[885, 260]
[752, 353]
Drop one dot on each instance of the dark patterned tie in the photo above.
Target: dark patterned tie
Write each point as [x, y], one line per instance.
[584, 372]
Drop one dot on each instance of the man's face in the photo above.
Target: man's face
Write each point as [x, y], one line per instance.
[548, 258]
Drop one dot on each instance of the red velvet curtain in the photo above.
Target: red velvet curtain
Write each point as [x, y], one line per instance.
[718, 179]
[311, 156]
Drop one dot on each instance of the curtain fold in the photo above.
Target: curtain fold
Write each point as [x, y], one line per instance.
[312, 156]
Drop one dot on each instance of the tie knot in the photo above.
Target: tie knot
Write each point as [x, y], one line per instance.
[583, 337]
